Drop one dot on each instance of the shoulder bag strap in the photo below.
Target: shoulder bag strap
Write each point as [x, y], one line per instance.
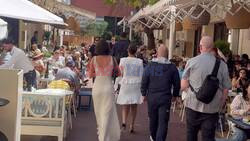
[192, 89]
[214, 73]
[216, 67]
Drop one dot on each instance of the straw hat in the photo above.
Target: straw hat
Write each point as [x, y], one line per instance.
[37, 54]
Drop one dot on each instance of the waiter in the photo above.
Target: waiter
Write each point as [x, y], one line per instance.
[20, 61]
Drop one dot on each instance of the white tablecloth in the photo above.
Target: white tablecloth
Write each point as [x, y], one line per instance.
[53, 92]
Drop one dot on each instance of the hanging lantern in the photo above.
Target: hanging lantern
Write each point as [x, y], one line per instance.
[196, 19]
[178, 26]
[240, 19]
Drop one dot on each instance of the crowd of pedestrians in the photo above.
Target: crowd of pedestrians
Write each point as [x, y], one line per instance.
[136, 76]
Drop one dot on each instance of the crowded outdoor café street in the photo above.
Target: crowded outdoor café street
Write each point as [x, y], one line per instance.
[108, 70]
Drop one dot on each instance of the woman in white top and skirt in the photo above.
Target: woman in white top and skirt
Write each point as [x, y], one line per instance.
[130, 95]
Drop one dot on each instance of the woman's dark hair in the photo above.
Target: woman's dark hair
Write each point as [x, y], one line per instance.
[245, 92]
[102, 48]
[242, 70]
[245, 56]
[56, 48]
[132, 49]
[39, 46]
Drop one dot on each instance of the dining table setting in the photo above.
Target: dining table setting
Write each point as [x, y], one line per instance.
[242, 122]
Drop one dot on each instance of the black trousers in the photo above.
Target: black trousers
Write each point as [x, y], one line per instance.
[201, 121]
[158, 110]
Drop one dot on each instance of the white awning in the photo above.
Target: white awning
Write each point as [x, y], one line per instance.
[3, 29]
[160, 13]
[28, 11]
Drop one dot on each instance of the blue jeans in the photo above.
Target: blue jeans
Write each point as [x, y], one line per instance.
[239, 135]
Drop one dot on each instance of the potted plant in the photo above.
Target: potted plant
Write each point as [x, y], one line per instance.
[223, 46]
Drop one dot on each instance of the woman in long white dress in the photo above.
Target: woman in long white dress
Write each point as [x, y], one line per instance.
[101, 68]
[130, 95]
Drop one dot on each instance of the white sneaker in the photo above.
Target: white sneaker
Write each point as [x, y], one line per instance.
[151, 139]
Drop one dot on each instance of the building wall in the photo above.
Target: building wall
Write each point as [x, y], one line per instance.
[189, 42]
[244, 41]
[101, 9]
[26, 32]
[208, 30]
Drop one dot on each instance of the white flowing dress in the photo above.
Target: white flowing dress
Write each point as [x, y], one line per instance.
[130, 92]
[104, 104]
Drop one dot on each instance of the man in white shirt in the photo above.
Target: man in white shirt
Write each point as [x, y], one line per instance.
[20, 61]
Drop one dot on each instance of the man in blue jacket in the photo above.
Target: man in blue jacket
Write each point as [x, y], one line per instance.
[160, 83]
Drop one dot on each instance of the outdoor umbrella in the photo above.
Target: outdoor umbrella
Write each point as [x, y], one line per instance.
[28, 11]
[3, 29]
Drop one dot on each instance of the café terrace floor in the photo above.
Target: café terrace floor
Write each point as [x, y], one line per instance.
[84, 128]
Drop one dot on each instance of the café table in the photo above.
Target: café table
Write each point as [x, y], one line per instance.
[239, 122]
[46, 80]
[44, 112]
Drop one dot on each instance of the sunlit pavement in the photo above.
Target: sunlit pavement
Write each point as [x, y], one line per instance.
[84, 128]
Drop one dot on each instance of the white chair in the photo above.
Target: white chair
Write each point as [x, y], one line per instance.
[230, 128]
[43, 115]
[173, 106]
[221, 125]
[182, 112]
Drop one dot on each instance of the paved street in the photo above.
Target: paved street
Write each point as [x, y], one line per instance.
[84, 128]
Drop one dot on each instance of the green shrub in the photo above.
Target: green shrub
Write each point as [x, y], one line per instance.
[47, 54]
[223, 46]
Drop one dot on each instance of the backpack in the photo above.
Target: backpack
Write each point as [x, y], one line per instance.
[209, 86]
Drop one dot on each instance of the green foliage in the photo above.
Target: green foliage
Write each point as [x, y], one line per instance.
[47, 35]
[117, 37]
[96, 29]
[107, 35]
[223, 46]
[47, 54]
[151, 2]
[133, 3]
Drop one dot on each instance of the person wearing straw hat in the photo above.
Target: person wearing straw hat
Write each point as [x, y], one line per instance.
[37, 61]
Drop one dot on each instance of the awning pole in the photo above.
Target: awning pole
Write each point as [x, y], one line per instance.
[172, 37]
[124, 25]
[130, 32]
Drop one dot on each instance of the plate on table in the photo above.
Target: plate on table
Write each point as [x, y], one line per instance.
[246, 120]
[237, 117]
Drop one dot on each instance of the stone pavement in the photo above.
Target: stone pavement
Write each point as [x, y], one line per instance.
[84, 128]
